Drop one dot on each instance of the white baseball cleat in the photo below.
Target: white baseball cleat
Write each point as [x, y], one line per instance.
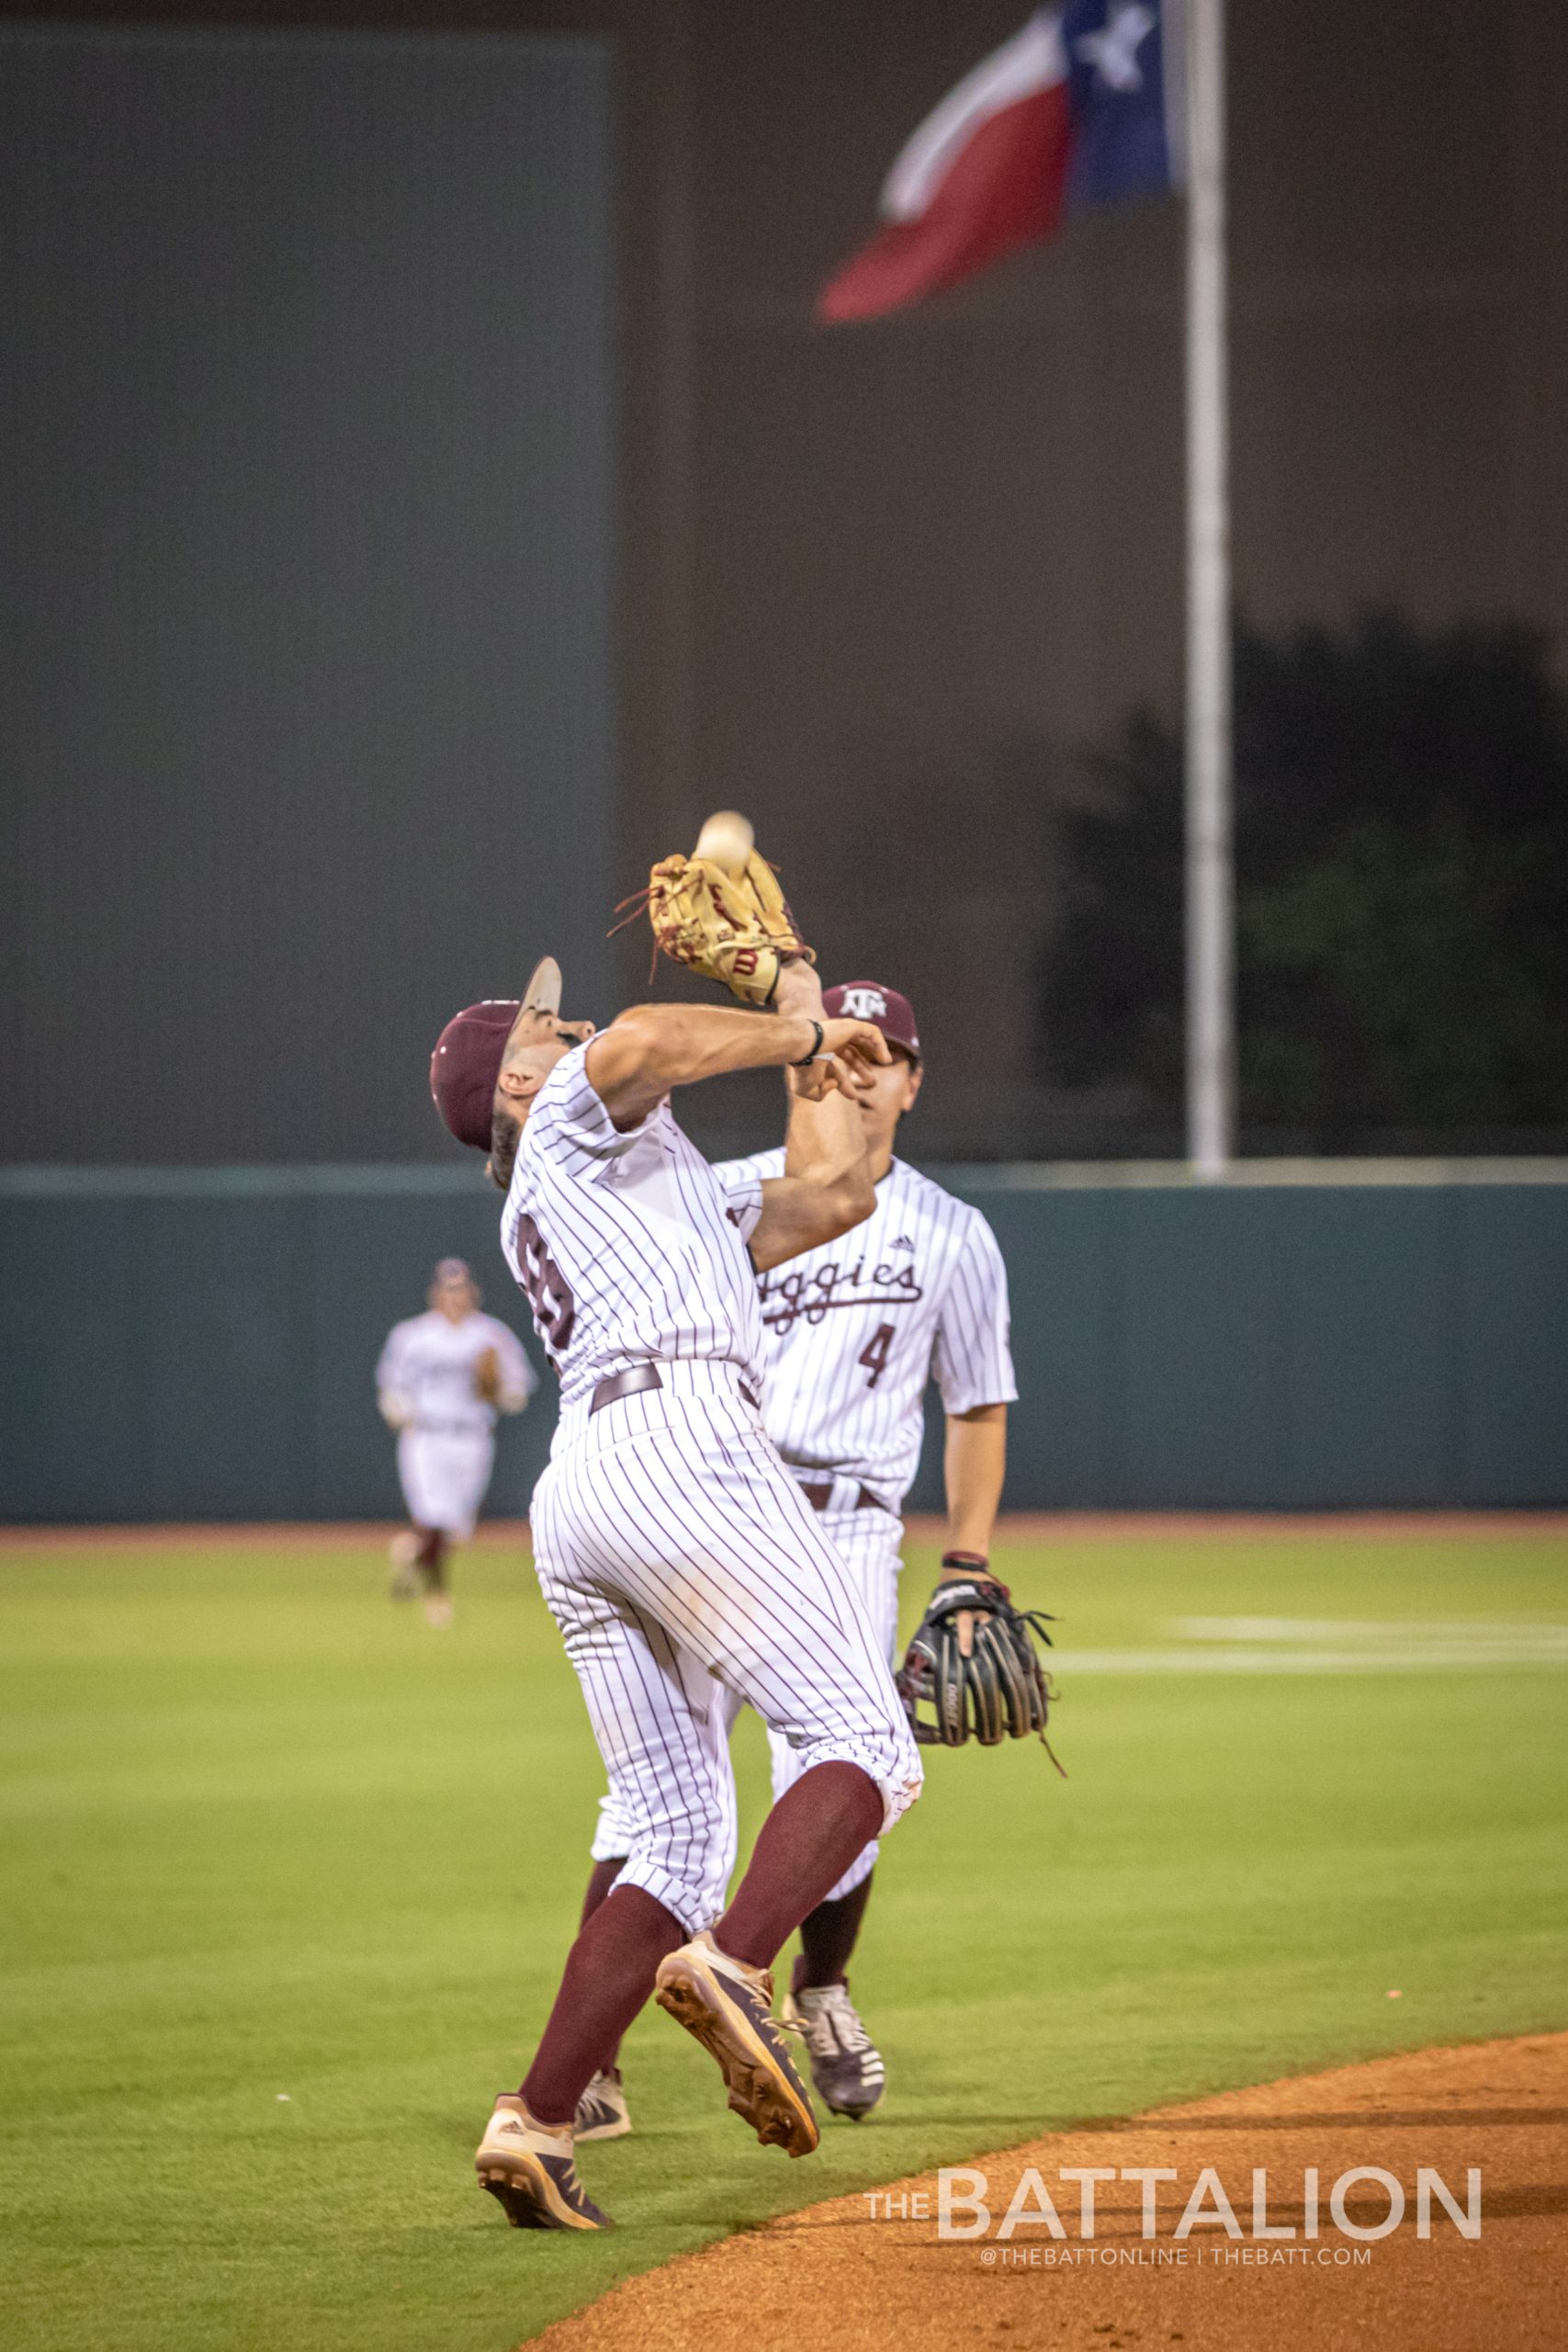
[728, 2006]
[846, 2065]
[602, 2111]
[528, 2169]
[438, 1609]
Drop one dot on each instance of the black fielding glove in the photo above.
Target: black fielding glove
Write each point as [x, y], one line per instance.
[973, 1662]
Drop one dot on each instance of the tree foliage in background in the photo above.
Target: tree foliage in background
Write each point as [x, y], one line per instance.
[1402, 854]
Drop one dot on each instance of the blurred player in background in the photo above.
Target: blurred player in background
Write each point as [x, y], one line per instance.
[442, 1379]
[853, 1332]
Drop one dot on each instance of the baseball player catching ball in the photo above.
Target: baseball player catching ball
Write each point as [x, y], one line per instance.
[442, 1379]
[854, 1330]
[679, 1556]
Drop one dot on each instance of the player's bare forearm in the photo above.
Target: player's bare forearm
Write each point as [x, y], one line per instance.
[799, 991]
[799, 1213]
[825, 1139]
[827, 1191]
[826, 1187]
[633, 1064]
[976, 1466]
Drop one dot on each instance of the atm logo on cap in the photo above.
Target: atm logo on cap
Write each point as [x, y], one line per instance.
[865, 1005]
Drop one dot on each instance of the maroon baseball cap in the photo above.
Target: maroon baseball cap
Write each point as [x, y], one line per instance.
[467, 1063]
[469, 1054]
[869, 1000]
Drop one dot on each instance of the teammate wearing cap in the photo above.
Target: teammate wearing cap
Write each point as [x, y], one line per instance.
[442, 1378]
[679, 1558]
[855, 1327]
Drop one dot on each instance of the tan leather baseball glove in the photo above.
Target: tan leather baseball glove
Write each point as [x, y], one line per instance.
[731, 926]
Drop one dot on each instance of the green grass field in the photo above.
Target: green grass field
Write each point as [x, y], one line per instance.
[289, 1880]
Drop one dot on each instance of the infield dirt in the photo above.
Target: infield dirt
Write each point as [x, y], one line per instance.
[863, 2274]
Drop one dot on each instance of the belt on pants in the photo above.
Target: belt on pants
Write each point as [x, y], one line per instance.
[638, 1376]
[819, 1497]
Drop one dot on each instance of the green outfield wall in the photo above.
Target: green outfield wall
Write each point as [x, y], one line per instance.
[198, 1344]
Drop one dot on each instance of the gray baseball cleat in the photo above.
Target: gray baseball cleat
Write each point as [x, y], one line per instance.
[846, 2065]
[602, 2111]
[728, 2006]
[529, 2171]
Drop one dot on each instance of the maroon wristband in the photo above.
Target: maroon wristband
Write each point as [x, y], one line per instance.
[972, 1560]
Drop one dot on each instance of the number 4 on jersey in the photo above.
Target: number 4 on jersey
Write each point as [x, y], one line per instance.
[873, 1355]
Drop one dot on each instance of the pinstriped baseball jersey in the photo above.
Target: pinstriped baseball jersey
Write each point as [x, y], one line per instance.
[629, 1246]
[855, 1328]
[429, 1363]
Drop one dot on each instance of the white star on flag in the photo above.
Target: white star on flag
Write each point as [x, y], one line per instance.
[1113, 53]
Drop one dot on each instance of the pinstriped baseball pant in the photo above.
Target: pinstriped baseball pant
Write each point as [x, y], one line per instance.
[867, 1541]
[682, 1566]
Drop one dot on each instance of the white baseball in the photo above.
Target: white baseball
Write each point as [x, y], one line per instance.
[727, 840]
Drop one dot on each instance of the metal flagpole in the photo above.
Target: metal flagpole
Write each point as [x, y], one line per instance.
[1210, 889]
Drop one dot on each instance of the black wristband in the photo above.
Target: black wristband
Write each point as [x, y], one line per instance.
[816, 1046]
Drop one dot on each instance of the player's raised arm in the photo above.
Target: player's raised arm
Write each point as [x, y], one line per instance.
[634, 1063]
[827, 1185]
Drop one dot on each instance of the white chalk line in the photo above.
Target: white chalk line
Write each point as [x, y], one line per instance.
[1331, 1645]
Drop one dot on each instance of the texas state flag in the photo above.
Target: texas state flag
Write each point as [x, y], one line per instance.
[1085, 106]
